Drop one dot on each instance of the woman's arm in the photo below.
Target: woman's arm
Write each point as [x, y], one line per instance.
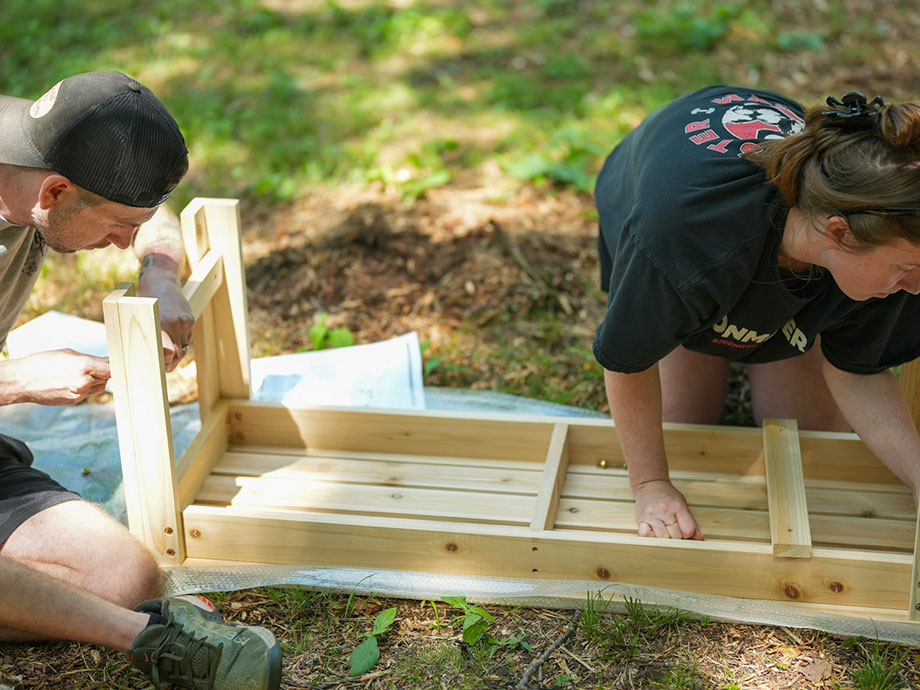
[635, 405]
[875, 407]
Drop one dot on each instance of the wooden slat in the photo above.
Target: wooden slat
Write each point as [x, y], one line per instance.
[403, 472]
[203, 283]
[195, 237]
[834, 576]
[367, 500]
[742, 525]
[733, 450]
[909, 376]
[229, 305]
[420, 432]
[750, 493]
[789, 526]
[913, 610]
[202, 454]
[446, 460]
[124, 422]
[134, 340]
[554, 471]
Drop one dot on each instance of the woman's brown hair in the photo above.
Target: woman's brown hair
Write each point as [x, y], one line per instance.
[861, 162]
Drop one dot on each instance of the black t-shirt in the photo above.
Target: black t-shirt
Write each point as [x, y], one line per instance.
[690, 233]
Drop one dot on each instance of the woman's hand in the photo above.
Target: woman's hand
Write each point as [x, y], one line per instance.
[661, 511]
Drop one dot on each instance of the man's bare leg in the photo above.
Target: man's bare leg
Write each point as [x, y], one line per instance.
[86, 568]
[34, 605]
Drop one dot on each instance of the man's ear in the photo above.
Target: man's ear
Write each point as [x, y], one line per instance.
[838, 233]
[55, 188]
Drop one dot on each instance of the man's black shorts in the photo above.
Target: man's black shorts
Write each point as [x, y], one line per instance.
[24, 491]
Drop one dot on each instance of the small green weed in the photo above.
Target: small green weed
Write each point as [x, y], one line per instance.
[677, 678]
[475, 619]
[323, 337]
[877, 670]
[621, 637]
[593, 615]
[368, 652]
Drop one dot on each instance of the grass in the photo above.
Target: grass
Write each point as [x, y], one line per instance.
[877, 671]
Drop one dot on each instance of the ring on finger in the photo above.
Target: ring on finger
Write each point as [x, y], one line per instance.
[668, 524]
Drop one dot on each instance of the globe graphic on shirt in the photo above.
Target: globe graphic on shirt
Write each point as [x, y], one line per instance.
[758, 122]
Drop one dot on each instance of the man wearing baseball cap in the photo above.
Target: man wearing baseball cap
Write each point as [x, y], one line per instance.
[87, 165]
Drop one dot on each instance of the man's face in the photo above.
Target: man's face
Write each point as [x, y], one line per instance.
[72, 226]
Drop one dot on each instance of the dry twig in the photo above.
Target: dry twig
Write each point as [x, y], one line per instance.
[525, 679]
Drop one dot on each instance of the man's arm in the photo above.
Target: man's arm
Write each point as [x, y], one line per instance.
[635, 405]
[55, 377]
[158, 245]
[875, 407]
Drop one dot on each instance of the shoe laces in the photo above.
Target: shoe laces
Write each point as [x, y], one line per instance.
[184, 659]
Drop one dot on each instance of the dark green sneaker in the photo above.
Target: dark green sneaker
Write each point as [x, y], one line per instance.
[192, 651]
[187, 607]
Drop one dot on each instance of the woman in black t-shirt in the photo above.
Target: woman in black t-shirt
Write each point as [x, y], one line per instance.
[737, 226]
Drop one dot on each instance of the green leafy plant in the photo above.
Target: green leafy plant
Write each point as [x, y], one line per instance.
[368, 652]
[476, 619]
[431, 363]
[512, 641]
[323, 337]
[568, 163]
[877, 671]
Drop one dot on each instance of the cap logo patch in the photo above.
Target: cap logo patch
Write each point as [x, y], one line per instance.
[43, 105]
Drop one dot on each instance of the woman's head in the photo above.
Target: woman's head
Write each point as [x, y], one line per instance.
[857, 160]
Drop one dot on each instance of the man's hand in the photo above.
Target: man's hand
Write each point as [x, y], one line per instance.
[56, 377]
[661, 511]
[158, 278]
[158, 245]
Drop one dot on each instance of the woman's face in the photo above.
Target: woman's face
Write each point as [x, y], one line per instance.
[877, 272]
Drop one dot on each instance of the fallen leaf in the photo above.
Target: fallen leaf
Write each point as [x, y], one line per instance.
[816, 670]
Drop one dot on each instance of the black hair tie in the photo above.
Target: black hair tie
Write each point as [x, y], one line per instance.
[858, 111]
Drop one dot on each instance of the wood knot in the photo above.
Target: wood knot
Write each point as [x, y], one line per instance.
[602, 573]
[452, 548]
[194, 533]
[792, 591]
[396, 496]
[574, 509]
[238, 416]
[836, 587]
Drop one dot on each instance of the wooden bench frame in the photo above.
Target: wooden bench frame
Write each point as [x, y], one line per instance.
[790, 516]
